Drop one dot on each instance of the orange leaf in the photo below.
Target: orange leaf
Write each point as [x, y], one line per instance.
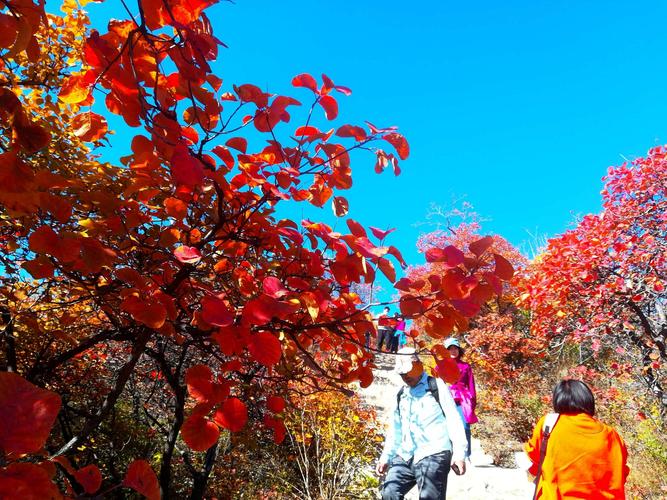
[74, 90]
[90, 478]
[265, 348]
[233, 415]
[27, 414]
[176, 208]
[89, 126]
[149, 312]
[141, 478]
[387, 269]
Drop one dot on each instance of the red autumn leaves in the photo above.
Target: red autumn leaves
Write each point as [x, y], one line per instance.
[201, 430]
[456, 285]
[28, 414]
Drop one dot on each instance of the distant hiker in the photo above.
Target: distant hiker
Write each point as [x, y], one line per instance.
[398, 338]
[463, 390]
[425, 437]
[574, 455]
[385, 329]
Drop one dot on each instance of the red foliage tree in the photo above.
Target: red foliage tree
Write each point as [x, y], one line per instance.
[166, 283]
[603, 284]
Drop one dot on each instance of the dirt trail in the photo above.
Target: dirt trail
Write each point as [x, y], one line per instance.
[482, 480]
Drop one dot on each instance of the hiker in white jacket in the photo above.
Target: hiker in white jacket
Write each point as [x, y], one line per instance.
[425, 437]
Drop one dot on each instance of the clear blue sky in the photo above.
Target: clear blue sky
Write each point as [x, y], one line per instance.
[518, 106]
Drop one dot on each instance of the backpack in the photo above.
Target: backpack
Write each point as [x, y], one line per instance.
[432, 388]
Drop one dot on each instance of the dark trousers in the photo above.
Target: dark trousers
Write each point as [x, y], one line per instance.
[384, 336]
[393, 342]
[429, 474]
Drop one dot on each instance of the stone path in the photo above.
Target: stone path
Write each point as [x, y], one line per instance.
[483, 480]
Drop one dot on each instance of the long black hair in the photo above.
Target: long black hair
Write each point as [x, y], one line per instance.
[573, 396]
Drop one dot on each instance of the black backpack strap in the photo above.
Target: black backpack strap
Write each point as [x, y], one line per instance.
[398, 400]
[433, 387]
[546, 432]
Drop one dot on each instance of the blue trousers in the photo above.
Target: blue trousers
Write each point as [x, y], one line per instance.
[429, 474]
[466, 426]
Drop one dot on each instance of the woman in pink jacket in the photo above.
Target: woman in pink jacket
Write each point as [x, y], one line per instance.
[463, 390]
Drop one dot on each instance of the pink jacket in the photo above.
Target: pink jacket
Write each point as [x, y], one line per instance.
[464, 392]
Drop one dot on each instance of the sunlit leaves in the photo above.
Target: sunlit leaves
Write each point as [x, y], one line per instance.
[27, 414]
[187, 254]
[233, 415]
[141, 478]
[265, 348]
[89, 126]
[199, 433]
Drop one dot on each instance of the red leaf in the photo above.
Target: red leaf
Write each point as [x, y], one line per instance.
[447, 370]
[480, 246]
[187, 255]
[450, 256]
[27, 482]
[90, 478]
[265, 348]
[186, 170]
[251, 93]
[39, 268]
[44, 240]
[330, 106]
[306, 131]
[352, 131]
[273, 287]
[238, 143]
[387, 269]
[379, 233]
[305, 80]
[504, 269]
[141, 478]
[356, 229]
[198, 379]
[400, 144]
[215, 312]
[199, 433]
[89, 126]
[27, 414]
[149, 312]
[275, 403]
[233, 415]
[340, 206]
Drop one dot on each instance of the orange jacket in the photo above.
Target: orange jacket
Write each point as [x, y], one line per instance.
[585, 459]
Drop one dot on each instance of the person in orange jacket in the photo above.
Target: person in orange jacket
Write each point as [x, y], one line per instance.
[584, 458]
